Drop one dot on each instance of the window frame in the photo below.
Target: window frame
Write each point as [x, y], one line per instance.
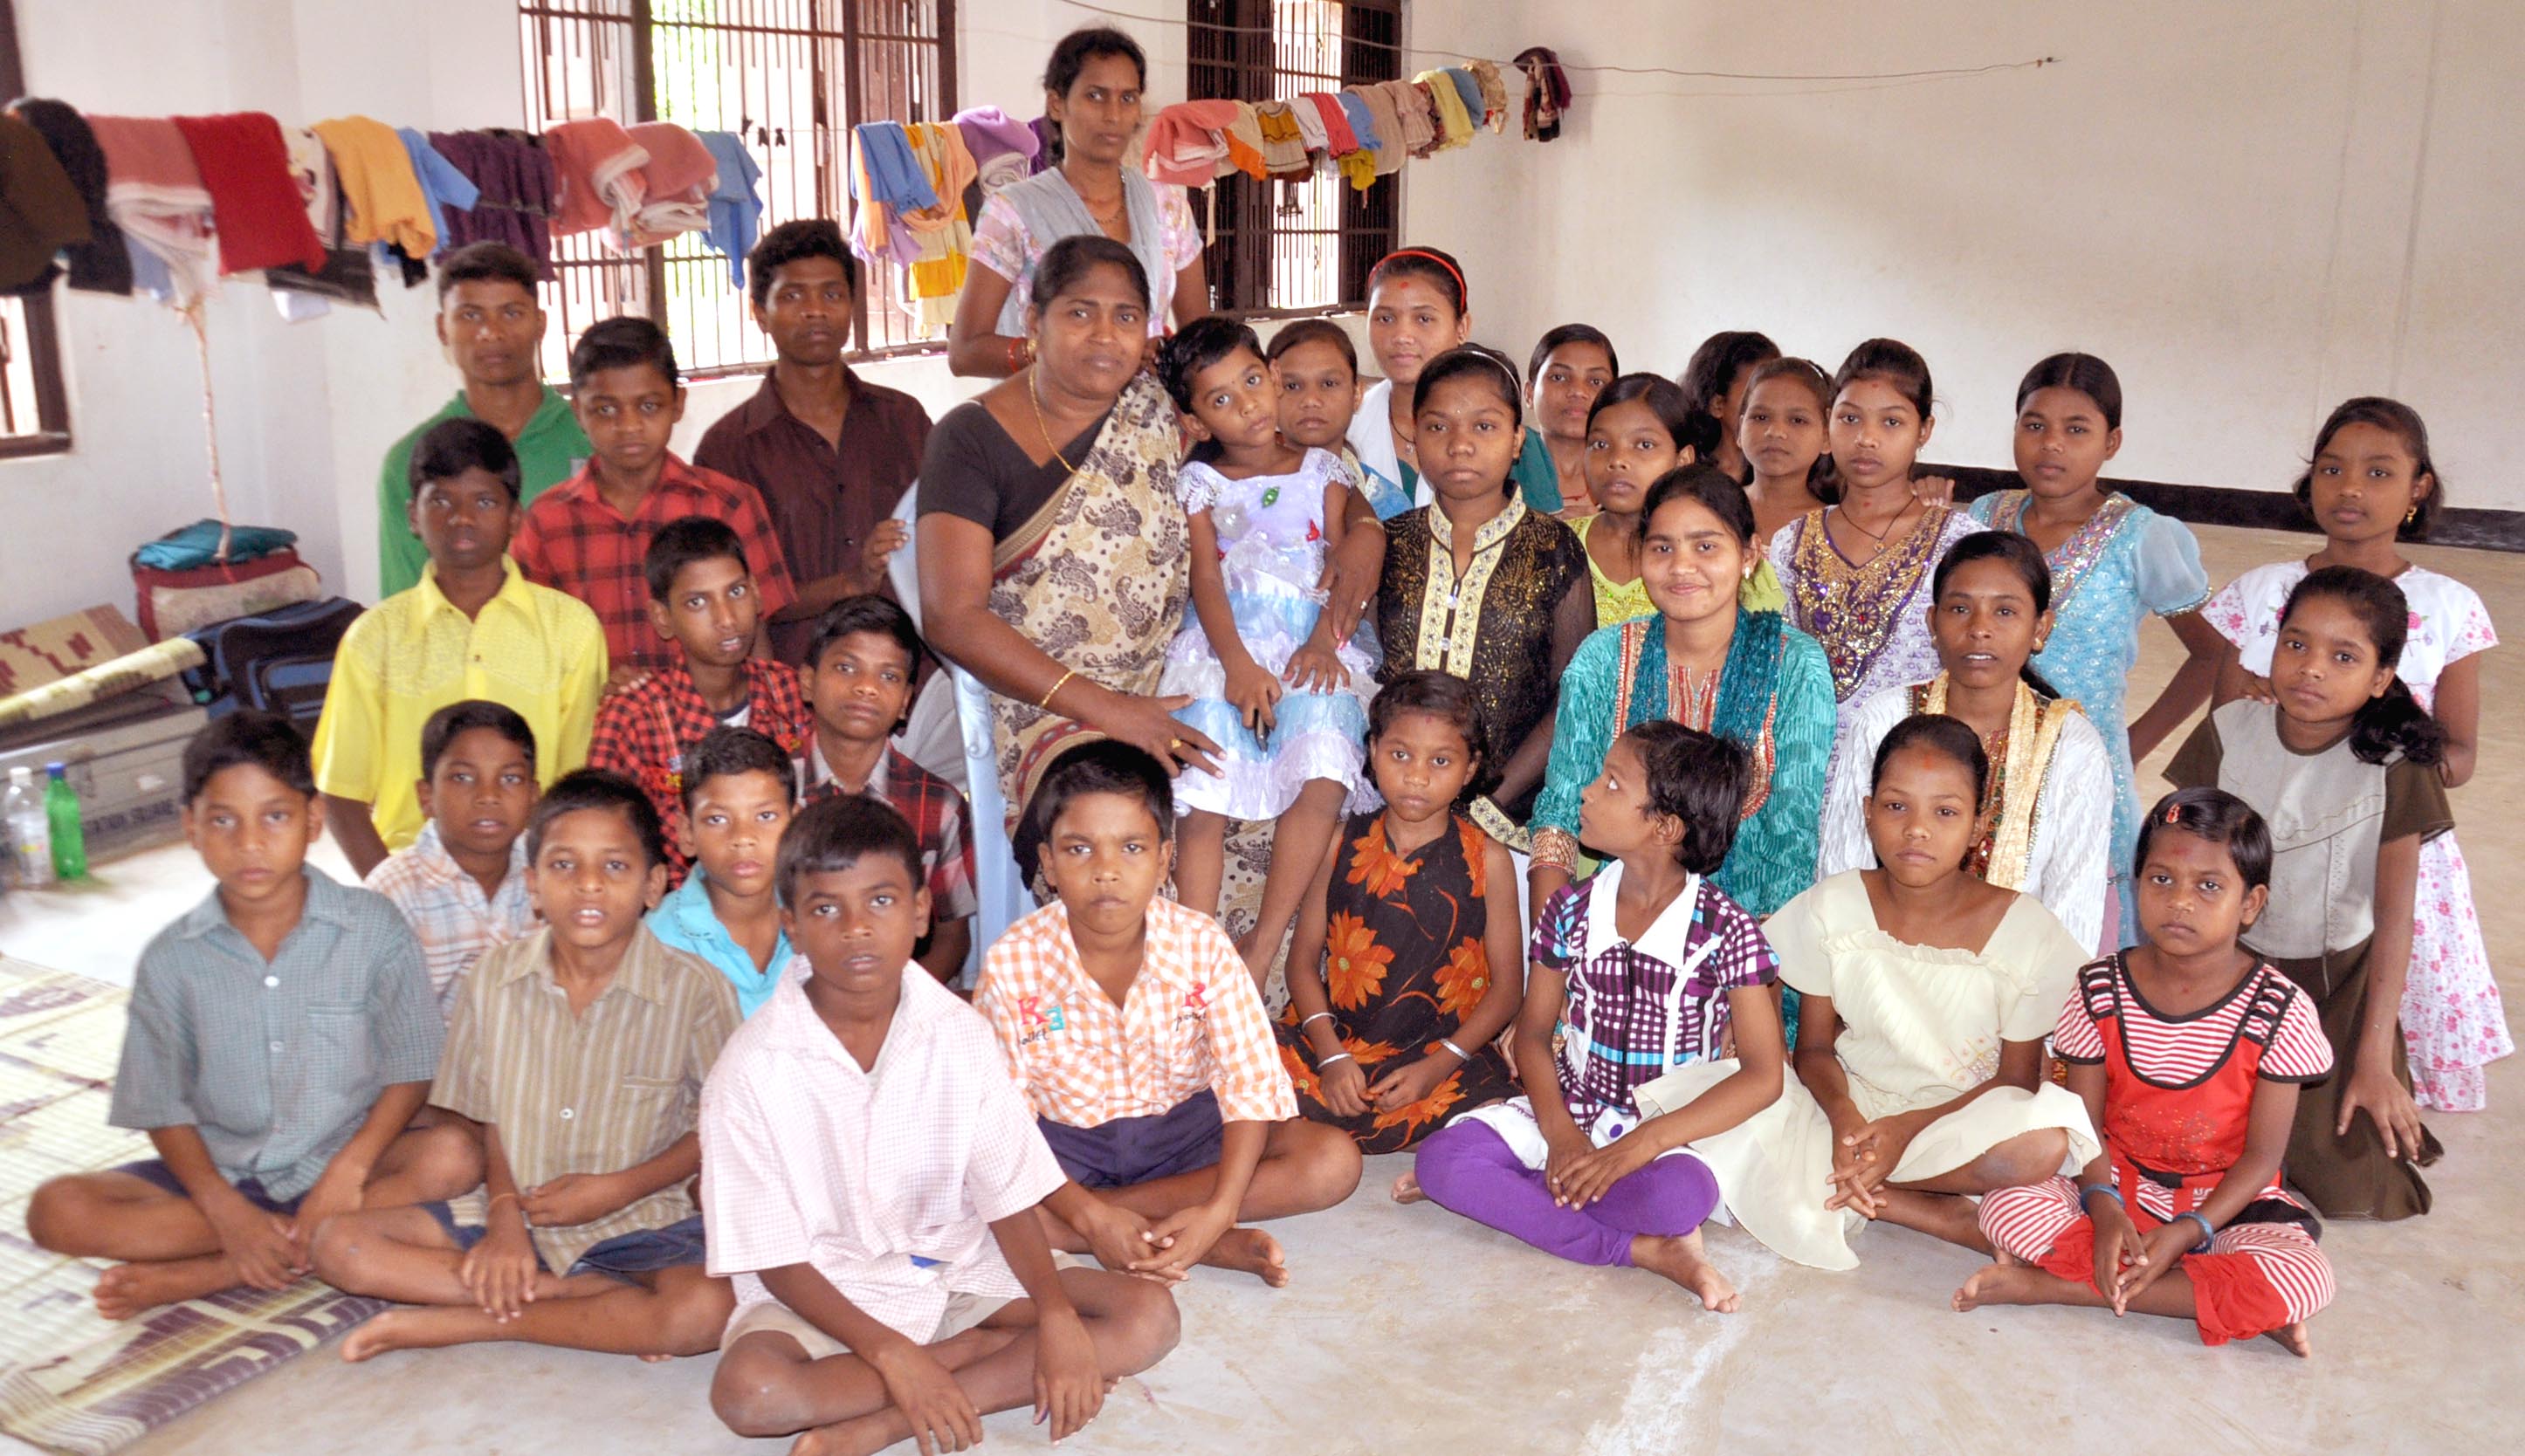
[1229, 47]
[42, 343]
[543, 25]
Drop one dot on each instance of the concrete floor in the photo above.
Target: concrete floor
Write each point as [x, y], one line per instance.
[1409, 1331]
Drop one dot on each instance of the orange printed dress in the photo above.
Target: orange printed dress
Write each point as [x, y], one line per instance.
[1404, 965]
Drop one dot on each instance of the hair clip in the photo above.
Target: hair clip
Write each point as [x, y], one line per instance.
[2173, 811]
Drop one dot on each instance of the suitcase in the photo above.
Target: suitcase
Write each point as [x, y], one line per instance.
[125, 758]
[280, 661]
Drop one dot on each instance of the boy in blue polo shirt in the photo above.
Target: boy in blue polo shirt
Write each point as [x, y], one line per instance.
[283, 1037]
[739, 790]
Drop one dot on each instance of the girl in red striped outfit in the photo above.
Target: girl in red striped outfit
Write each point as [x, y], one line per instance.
[2190, 1053]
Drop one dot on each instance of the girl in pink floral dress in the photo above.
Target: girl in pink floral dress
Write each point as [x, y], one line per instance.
[2370, 486]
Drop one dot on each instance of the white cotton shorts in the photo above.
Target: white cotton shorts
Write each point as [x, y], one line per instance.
[772, 1317]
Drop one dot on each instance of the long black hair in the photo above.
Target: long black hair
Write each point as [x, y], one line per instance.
[2393, 721]
[2020, 554]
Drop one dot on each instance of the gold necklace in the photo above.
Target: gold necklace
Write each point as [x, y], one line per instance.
[1048, 441]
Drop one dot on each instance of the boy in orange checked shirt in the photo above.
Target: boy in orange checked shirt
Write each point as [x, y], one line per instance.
[1140, 1041]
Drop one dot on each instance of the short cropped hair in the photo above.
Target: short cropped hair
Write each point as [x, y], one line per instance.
[833, 834]
[625, 342]
[1700, 779]
[869, 612]
[457, 718]
[598, 789]
[793, 240]
[1105, 766]
[452, 447]
[723, 752]
[486, 263]
[268, 741]
[683, 540]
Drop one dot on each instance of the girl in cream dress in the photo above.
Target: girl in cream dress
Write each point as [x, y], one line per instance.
[1919, 1054]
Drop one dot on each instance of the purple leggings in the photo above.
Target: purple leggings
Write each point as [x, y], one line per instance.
[1467, 1168]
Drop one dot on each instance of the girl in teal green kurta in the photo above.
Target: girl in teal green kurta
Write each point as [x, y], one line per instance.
[1705, 661]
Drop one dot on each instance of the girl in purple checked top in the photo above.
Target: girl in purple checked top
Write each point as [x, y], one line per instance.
[1643, 968]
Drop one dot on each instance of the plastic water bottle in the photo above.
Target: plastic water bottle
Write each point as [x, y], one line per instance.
[61, 808]
[31, 833]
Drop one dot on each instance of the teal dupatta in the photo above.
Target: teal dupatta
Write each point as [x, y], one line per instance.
[1774, 700]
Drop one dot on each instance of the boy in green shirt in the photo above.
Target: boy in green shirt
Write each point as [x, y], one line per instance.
[493, 328]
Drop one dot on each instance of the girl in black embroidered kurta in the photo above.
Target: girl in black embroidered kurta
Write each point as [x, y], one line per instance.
[2344, 770]
[1479, 586]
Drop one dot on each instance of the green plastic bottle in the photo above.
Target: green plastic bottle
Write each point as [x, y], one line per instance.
[62, 815]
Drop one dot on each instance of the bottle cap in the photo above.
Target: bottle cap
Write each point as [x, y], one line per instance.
[56, 770]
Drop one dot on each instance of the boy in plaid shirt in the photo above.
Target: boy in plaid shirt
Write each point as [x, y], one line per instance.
[859, 675]
[589, 535]
[704, 598]
[1136, 1032]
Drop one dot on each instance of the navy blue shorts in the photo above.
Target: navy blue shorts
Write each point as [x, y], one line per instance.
[641, 1251]
[156, 1173]
[1183, 1138]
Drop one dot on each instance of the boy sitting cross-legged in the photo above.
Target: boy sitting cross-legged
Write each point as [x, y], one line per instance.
[739, 793]
[462, 885]
[870, 1179]
[579, 1053]
[282, 1038]
[857, 676]
[704, 598]
[1138, 1036]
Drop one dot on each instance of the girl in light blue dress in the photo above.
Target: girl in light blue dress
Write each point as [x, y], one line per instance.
[2114, 562]
[1287, 703]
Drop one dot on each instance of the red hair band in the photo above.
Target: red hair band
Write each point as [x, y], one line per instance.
[1463, 292]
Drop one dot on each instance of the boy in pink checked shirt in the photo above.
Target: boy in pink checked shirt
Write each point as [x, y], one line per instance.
[870, 1181]
[1139, 1038]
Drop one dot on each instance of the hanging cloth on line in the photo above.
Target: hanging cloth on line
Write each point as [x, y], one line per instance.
[933, 280]
[735, 209]
[154, 193]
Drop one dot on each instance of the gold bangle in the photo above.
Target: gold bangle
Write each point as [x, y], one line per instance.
[495, 1202]
[1045, 702]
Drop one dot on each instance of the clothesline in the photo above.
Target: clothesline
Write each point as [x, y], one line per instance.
[1945, 73]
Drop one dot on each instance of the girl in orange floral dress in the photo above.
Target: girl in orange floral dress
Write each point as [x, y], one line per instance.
[1392, 1003]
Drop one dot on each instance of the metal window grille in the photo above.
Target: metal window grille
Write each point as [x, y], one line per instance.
[792, 77]
[35, 408]
[1294, 247]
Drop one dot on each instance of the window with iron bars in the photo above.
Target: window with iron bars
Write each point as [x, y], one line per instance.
[1280, 248]
[35, 408]
[792, 77]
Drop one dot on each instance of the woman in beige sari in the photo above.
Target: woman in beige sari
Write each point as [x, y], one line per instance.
[1053, 554]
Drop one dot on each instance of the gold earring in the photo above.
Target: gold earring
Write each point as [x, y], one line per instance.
[2410, 516]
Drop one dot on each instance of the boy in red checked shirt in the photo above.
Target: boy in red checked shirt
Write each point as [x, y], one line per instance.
[706, 601]
[589, 535]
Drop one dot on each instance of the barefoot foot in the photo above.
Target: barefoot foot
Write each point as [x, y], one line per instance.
[863, 1437]
[129, 1289]
[2294, 1339]
[1254, 1253]
[1947, 1216]
[1407, 1189]
[2010, 1283]
[1684, 1261]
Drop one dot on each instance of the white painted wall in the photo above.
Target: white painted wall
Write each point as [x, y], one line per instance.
[2253, 209]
